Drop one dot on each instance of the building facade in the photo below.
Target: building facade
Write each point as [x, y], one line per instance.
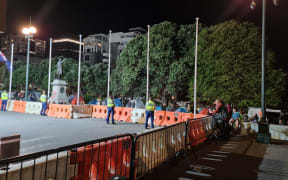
[37, 46]
[66, 47]
[95, 48]
[119, 41]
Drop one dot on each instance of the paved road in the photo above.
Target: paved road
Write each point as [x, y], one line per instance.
[42, 133]
[238, 158]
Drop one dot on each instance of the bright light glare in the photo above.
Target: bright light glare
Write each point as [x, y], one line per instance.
[32, 30]
[25, 31]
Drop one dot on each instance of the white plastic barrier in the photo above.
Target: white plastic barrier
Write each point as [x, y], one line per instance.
[279, 132]
[138, 116]
[33, 107]
[10, 105]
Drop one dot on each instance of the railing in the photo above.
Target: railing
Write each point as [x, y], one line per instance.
[155, 147]
[76, 161]
[124, 155]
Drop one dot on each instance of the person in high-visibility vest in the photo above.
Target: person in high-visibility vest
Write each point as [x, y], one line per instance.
[150, 108]
[110, 109]
[43, 99]
[4, 98]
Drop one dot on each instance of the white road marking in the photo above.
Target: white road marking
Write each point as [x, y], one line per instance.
[232, 145]
[202, 167]
[233, 142]
[212, 159]
[228, 147]
[183, 178]
[216, 155]
[224, 152]
[198, 173]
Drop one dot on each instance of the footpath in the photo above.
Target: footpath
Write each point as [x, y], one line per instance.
[239, 157]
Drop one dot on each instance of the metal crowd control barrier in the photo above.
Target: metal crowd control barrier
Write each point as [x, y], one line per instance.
[122, 155]
[154, 147]
[71, 162]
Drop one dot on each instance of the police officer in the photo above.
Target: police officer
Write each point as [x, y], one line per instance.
[43, 99]
[110, 109]
[4, 98]
[150, 107]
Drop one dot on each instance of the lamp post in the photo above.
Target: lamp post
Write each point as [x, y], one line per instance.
[109, 66]
[28, 34]
[148, 59]
[263, 127]
[253, 6]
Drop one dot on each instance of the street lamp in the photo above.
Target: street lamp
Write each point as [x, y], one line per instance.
[263, 128]
[28, 32]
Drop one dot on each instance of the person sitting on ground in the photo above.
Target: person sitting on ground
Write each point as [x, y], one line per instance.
[235, 118]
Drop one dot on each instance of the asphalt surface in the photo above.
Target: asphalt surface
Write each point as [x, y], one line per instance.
[40, 133]
[238, 158]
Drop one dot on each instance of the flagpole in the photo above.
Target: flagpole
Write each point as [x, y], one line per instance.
[79, 70]
[49, 70]
[11, 70]
[196, 59]
[148, 53]
[109, 66]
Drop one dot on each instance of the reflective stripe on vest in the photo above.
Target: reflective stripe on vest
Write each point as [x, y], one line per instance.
[43, 98]
[4, 96]
[150, 106]
[110, 103]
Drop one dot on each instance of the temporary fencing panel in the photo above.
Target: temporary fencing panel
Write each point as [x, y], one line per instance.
[208, 125]
[82, 111]
[196, 130]
[103, 160]
[98, 159]
[33, 107]
[138, 116]
[155, 147]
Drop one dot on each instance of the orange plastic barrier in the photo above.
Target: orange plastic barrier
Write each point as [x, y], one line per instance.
[118, 112]
[51, 110]
[159, 117]
[19, 106]
[96, 111]
[126, 115]
[104, 160]
[187, 116]
[196, 131]
[60, 111]
[170, 118]
[204, 111]
[103, 113]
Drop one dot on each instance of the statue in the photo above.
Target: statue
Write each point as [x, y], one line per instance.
[59, 68]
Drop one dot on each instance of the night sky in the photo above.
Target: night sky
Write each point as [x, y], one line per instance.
[56, 17]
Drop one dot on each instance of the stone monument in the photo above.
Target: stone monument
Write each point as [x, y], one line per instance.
[59, 95]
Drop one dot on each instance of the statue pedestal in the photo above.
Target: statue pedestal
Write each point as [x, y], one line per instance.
[59, 95]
